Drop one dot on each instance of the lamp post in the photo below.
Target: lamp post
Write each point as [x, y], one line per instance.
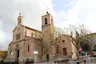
[35, 55]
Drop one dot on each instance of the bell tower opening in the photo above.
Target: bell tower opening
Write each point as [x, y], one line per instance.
[45, 20]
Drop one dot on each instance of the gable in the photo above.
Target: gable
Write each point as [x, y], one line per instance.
[18, 29]
[14, 29]
[66, 40]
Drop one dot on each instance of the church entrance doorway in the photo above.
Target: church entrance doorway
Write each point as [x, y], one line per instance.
[64, 51]
[18, 53]
[47, 57]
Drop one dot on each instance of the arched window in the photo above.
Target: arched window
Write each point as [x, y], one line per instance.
[28, 48]
[45, 20]
[10, 51]
[17, 46]
[31, 34]
[52, 21]
[18, 36]
[25, 33]
[63, 41]
[57, 49]
[64, 51]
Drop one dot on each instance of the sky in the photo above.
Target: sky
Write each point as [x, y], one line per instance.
[65, 12]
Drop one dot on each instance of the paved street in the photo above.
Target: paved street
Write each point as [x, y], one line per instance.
[89, 60]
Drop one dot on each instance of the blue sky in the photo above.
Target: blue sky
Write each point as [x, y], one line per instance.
[65, 12]
[61, 5]
[75, 12]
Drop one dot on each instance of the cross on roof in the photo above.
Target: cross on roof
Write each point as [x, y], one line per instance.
[19, 14]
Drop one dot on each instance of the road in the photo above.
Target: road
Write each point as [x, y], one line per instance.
[89, 60]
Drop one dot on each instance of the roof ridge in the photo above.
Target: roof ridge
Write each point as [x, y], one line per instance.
[31, 28]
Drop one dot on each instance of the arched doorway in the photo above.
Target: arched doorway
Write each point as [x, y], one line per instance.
[64, 51]
[47, 57]
[18, 54]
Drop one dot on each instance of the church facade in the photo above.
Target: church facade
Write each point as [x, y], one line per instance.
[28, 42]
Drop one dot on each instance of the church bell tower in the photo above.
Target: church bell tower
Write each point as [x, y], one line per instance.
[47, 22]
[47, 28]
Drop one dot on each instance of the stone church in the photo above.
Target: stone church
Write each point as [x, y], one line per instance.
[28, 42]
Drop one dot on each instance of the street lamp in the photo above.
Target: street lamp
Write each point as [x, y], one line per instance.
[35, 55]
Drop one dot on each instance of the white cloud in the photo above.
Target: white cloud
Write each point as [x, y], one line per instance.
[71, 3]
[82, 12]
[4, 37]
[85, 12]
[30, 9]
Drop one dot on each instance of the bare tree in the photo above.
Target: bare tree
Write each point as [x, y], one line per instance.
[52, 41]
[78, 33]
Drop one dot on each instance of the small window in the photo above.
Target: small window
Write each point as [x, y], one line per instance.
[45, 20]
[10, 51]
[17, 36]
[28, 48]
[57, 49]
[63, 41]
[25, 33]
[31, 34]
[52, 21]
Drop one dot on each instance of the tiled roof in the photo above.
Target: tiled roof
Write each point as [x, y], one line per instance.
[31, 28]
